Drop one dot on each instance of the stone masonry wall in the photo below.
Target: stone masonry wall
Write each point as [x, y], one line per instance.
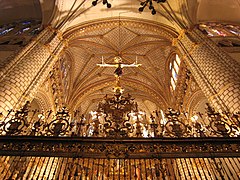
[21, 80]
[217, 74]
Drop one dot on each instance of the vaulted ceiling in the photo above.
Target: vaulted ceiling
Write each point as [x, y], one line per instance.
[94, 32]
[148, 43]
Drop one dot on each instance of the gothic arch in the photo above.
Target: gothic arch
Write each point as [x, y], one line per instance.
[196, 102]
[43, 100]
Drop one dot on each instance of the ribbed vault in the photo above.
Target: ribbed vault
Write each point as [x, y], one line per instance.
[149, 44]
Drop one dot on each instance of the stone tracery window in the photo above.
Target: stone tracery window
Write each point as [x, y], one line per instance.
[174, 69]
[224, 35]
[215, 29]
[22, 30]
[20, 27]
[5, 30]
[60, 81]
[65, 68]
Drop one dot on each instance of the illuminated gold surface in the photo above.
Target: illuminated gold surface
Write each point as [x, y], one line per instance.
[88, 168]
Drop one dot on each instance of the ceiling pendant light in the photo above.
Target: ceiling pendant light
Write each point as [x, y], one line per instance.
[149, 3]
[105, 2]
[143, 4]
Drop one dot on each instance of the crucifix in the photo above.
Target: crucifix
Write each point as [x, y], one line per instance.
[119, 65]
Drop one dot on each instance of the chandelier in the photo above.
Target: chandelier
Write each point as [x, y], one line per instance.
[146, 3]
[105, 2]
[149, 3]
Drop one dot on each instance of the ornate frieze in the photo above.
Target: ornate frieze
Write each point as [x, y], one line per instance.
[120, 148]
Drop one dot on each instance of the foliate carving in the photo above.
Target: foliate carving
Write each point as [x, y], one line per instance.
[182, 85]
[119, 118]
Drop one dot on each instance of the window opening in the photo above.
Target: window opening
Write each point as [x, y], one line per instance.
[174, 69]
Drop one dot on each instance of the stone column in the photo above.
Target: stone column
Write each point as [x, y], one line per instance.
[217, 74]
[29, 69]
